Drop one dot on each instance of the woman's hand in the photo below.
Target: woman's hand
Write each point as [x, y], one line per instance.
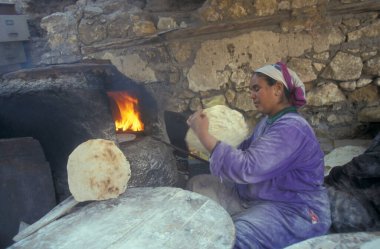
[199, 123]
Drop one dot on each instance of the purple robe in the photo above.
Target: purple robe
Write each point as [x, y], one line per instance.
[279, 171]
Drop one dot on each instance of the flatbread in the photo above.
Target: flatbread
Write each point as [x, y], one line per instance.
[97, 170]
[225, 124]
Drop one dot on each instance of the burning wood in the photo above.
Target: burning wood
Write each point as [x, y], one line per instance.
[127, 116]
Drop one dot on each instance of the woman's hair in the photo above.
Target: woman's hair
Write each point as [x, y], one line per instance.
[268, 79]
[271, 82]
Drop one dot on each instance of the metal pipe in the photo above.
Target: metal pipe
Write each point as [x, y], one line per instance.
[180, 150]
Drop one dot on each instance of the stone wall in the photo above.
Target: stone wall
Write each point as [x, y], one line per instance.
[205, 55]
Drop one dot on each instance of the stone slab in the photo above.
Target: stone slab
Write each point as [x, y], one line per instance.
[360, 240]
[26, 189]
[143, 218]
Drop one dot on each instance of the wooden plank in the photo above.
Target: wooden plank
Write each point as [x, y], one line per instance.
[146, 218]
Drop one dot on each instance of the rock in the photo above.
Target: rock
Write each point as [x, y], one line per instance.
[209, 69]
[237, 10]
[304, 69]
[336, 36]
[368, 55]
[377, 82]
[308, 86]
[166, 23]
[62, 36]
[92, 11]
[348, 85]
[343, 67]
[186, 94]
[152, 163]
[319, 66]
[143, 27]
[240, 78]
[119, 26]
[324, 56]
[322, 41]
[326, 144]
[230, 95]
[363, 82]
[327, 94]
[297, 4]
[341, 156]
[174, 76]
[213, 101]
[339, 119]
[244, 101]
[296, 44]
[210, 60]
[90, 32]
[353, 50]
[372, 66]
[217, 10]
[370, 31]
[366, 94]
[181, 51]
[293, 26]
[132, 66]
[176, 105]
[265, 7]
[195, 104]
[183, 24]
[369, 114]
[353, 142]
[209, 14]
[352, 22]
[284, 5]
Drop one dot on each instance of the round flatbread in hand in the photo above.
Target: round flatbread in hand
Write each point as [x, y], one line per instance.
[97, 170]
[225, 124]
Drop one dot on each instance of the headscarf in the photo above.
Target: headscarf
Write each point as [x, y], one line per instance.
[289, 78]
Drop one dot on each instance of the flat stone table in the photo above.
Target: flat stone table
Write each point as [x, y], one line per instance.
[162, 217]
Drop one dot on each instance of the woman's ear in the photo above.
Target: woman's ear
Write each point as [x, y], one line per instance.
[278, 88]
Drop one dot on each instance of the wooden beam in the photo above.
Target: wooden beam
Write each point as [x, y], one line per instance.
[353, 8]
[230, 26]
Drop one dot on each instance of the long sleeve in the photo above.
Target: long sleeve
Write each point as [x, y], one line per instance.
[284, 146]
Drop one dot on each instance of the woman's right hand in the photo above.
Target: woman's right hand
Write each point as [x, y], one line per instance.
[199, 123]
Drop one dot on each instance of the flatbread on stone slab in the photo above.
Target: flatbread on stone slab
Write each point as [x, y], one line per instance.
[225, 124]
[97, 170]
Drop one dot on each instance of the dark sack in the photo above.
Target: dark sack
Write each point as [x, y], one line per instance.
[354, 192]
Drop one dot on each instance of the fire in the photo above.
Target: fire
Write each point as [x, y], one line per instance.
[127, 117]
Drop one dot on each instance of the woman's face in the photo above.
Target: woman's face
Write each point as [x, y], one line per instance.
[265, 97]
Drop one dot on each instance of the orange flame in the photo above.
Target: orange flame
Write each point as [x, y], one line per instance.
[127, 117]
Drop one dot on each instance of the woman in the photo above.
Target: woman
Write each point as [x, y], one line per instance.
[272, 183]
